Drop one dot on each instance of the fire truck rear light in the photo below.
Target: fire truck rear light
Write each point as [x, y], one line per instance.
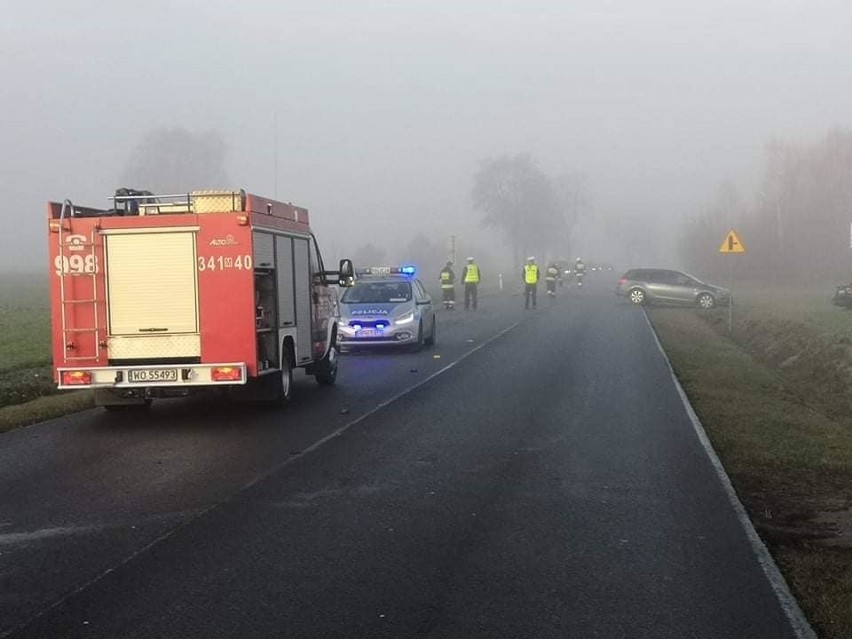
[76, 378]
[226, 374]
[54, 226]
[242, 220]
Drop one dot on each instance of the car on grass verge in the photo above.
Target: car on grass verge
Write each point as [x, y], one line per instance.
[843, 296]
[649, 285]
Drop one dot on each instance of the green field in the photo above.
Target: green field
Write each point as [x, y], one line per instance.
[25, 371]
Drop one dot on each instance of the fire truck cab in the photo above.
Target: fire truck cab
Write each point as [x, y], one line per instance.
[161, 295]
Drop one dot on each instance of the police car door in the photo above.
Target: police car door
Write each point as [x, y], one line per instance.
[424, 305]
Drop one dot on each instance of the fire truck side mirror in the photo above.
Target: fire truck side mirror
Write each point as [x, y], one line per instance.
[346, 273]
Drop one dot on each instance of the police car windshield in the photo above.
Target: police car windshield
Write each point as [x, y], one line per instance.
[367, 292]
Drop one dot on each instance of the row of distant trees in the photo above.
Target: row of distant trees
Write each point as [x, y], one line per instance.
[796, 226]
[534, 212]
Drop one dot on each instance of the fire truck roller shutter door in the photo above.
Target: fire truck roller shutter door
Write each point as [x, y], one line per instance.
[284, 273]
[265, 300]
[264, 250]
[152, 295]
[303, 300]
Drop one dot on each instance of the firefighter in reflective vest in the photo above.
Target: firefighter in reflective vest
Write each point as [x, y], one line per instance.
[551, 275]
[448, 286]
[471, 277]
[530, 275]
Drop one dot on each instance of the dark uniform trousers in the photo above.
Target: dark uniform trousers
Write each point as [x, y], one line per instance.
[470, 294]
[530, 291]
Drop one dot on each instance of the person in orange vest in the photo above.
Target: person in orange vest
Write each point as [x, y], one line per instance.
[471, 277]
[530, 275]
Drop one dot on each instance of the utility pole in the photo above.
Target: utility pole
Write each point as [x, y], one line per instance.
[777, 163]
[275, 152]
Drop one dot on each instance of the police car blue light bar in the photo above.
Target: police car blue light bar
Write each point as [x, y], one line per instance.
[407, 270]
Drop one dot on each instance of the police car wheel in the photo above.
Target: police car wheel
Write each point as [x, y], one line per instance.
[430, 341]
[420, 338]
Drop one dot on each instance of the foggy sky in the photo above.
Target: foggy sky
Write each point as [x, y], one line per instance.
[385, 108]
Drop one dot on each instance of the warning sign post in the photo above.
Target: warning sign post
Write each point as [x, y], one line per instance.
[732, 245]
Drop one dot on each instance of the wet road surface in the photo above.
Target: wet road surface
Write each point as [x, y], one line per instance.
[540, 478]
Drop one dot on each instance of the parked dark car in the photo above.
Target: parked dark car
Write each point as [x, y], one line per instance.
[645, 285]
[843, 296]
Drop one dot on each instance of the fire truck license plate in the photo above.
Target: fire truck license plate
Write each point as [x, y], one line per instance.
[153, 375]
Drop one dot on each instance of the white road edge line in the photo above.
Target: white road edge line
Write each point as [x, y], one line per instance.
[800, 625]
[317, 444]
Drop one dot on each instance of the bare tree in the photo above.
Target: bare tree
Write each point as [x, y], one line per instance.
[426, 255]
[517, 198]
[703, 234]
[174, 160]
[574, 199]
[369, 255]
[776, 197]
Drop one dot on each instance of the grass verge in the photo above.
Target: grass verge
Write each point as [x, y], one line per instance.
[44, 408]
[787, 450]
[25, 369]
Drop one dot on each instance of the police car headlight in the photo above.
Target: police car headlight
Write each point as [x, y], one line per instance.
[404, 319]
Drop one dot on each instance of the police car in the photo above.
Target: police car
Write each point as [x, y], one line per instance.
[386, 306]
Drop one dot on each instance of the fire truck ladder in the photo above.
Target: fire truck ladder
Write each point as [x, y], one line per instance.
[69, 333]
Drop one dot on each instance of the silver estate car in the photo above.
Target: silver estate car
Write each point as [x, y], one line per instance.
[386, 306]
[646, 285]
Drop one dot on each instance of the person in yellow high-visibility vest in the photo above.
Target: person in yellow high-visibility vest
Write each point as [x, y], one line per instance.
[530, 275]
[471, 277]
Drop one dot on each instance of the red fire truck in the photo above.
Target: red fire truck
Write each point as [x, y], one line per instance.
[161, 295]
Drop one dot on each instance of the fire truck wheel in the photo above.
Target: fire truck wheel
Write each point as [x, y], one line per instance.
[283, 392]
[326, 374]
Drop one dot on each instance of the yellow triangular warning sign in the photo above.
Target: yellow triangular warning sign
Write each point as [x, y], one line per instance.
[732, 243]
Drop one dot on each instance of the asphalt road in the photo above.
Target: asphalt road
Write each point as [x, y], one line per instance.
[541, 478]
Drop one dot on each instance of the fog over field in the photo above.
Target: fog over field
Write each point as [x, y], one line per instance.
[382, 112]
